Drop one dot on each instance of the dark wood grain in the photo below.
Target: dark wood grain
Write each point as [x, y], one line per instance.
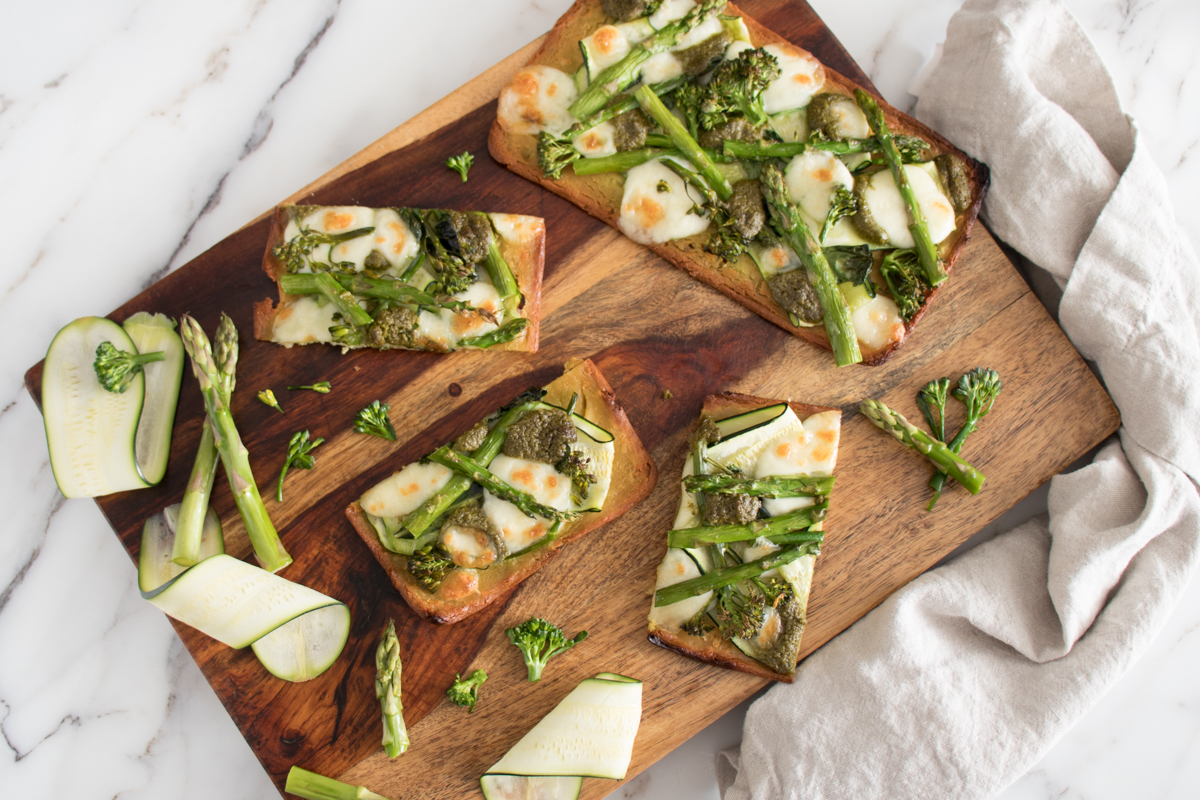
[649, 328]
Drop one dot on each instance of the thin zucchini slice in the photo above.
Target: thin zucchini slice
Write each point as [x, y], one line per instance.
[156, 567]
[590, 733]
[152, 446]
[303, 648]
[736, 27]
[742, 423]
[591, 429]
[612, 676]
[530, 787]
[90, 431]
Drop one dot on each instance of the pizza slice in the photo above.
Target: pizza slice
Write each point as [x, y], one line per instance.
[469, 521]
[403, 278]
[740, 158]
[732, 589]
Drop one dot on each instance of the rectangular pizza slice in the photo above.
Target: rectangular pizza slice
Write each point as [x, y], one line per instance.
[403, 278]
[740, 158]
[471, 520]
[732, 589]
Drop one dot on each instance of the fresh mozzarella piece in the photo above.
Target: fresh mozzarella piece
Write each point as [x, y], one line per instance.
[537, 100]
[676, 567]
[606, 46]
[597, 141]
[661, 67]
[546, 484]
[776, 259]
[512, 525]
[650, 216]
[600, 455]
[810, 449]
[515, 228]
[812, 177]
[742, 451]
[710, 27]
[405, 490]
[736, 49]
[802, 77]
[435, 330]
[851, 122]
[878, 323]
[843, 234]
[670, 11]
[340, 219]
[393, 238]
[303, 320]
[468, 547]
[480, 294]
[888, 208]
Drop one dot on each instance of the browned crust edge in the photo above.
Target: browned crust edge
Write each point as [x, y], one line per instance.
[527, 262]
[712, 650]
[635, 475]
[739, 281]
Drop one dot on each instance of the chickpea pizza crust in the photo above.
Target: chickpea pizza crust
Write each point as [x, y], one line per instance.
[732, 589]
[569, 449]
[642, 184]
[403, 278]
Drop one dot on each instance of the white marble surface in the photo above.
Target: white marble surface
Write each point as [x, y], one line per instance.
[135, 135]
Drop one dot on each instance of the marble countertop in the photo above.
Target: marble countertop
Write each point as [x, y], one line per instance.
[135, 134]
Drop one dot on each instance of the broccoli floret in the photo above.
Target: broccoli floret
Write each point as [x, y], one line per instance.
[555, 153]
[736, 89]
[699, 625]
[739, 615]
[116, 369]
[430, 567]
[578, 468]
[539, 641]
[465, 693]
[906, 281]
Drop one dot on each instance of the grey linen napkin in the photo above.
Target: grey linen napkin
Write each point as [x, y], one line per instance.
[961, 681]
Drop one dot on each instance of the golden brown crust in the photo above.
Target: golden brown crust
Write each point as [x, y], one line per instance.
[600, 195]
[525, 258]
[634, 475]
[712, 649]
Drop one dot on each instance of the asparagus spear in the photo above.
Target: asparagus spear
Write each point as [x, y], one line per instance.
[792, 227]
[679, 135]
[977, 390]
[505, 333]
[342, 300]
[727, 576]
[468, 468]
[502, 276]
[373, 288]
[624, 73]
[914, 438]
[930, 261]
[312, 786]
[772, 486]
[387, 691]
[190, 524]
[775, 527]
[268, 549]
[910, 148]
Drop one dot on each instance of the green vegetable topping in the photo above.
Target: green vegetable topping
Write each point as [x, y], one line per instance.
[429, 566]
[116, 369]
[465, 693]
[296, 253]
[373, 420]
[312, 786]
[914, 438]
[299, 456]
[901, 270]
[461, 164]
[543, 435]
[321, 388]
[932, 402]
[539, 641]
[267, 397]
[387, 692]
[977, 390]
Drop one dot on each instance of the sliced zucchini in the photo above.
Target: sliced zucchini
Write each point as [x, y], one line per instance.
[529, 787]
[601, 458]
[581, 78]
[792, 125]
[590, 733]
[303, 648]
[156, 569]
[154, 333]
[749, 421]
[735, 27]
[612, 676]
[591, 429]
[89, 430]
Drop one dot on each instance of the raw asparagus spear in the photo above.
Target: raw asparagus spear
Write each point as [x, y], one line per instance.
[387, 691]
[312, 786]
[771, 486]
[914, 438]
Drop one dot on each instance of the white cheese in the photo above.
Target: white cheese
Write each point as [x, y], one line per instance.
[776, 259]
[890, 212]
[512, 525]
[812, 177]
[546, 484]
[405, 491]
[537, 100]
[467, 547]
[802, 77]
[670, 11]
[661, 67]
[677, 567]
[742, 451]
[515, 228]
[303, 321]
[456, 326]
[877, 323]
[436, 330]
[650, 216]
[735, 49]
[393, 238]
[607, 45]
[598, 141]
[810, 449]
[340, 219]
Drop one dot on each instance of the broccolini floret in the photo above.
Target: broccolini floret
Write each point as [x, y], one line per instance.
[461, 164]
[736, 89]
[373, 420]
[429, 566]
[539, 641]
[465, 692]
[116, 369]
[901, 269]
[556, 153]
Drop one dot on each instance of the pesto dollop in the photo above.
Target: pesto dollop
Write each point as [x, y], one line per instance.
[544, 434]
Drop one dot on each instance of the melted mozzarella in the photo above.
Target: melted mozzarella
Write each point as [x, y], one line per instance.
[670, 11]
[661, 67]
[512, 525]
[405, 490]
[340, 219]
[546, 484]
[878, 323]
[649, 216]
[467, 547]
[607, 45]
[743, 451]
[600, 456]
[676, 567]
[516, 228]
[802, 77]
[810, 449]
[773, 260]
[435, 330]
[812, 177]
[303, 321]
[851, 121]
[888, 208]
[480, 294]
[597, 141]
[537, 100]
[393, 238]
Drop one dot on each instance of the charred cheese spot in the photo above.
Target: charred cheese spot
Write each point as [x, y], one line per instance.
[649, 216]
[824, 175]
[607, 39]
[537, 99]
[338, 220]
[801, 77]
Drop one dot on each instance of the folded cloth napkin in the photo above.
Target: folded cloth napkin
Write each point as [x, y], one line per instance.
[960, 682]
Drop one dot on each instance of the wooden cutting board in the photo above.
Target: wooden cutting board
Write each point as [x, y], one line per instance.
[650, 329]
